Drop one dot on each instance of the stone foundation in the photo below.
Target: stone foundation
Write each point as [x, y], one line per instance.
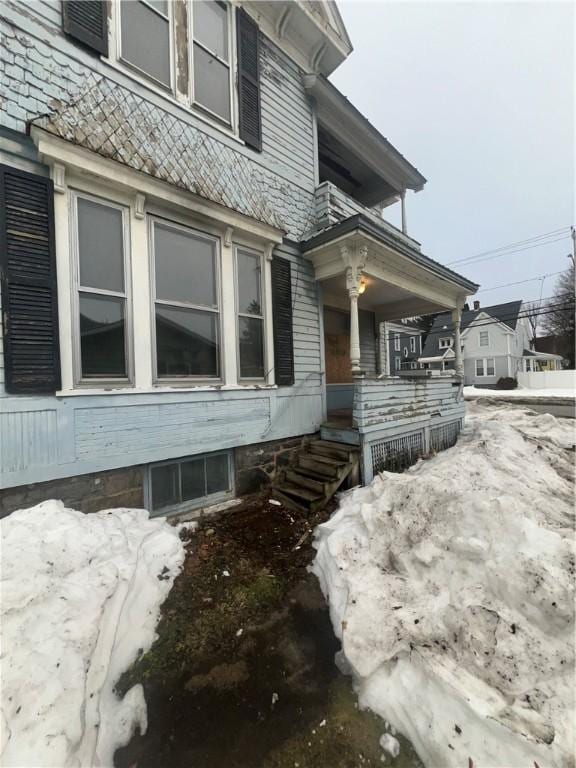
[86, 493]
[255, 465]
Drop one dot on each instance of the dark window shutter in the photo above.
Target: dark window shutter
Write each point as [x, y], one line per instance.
[249, 80]
[282, 311]
[87, 22]
[28, 281]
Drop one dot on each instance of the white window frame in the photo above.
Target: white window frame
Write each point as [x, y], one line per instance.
[77, 289]
[191, 504]
[231, 64]
[413, 344]
[445, 342]
[175, 380]
[484, 361]
[397, 363]
[262, 316]
[397, 344]
[140, 73]
[405, 352]
[483, 335]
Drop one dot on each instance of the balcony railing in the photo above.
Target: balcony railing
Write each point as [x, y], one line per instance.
[333, 206]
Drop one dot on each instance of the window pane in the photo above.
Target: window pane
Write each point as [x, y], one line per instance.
[479, 368]
[160, 5]
[249, 283]
[186, 342]
[102, 336]
[211, 83]
[165, 490]
[193, 485]
[251, 348]
[185, 267]
[490, 368]
[211, 26]
[146, 40]
[217, 473]
[101, 246]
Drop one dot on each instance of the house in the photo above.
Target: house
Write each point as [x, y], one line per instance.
[550, 357]
[193, 248]
[402, 345]
[495, 344]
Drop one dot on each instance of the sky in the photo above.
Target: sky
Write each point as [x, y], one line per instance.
[479, 96]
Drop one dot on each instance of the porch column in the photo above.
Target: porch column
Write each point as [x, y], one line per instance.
[458, 363]
[404, 222]
[355, 260]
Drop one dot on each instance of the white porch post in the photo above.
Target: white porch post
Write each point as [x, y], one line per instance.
[404, 222]
[355, 262]
[456, 319]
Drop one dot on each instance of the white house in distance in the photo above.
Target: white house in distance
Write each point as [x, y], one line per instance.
[495, 344]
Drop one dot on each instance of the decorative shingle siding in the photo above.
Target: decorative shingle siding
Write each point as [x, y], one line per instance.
[72, 94]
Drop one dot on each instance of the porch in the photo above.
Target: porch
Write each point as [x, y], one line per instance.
[369, 275]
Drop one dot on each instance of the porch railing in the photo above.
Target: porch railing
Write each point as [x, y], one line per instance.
[401, 419]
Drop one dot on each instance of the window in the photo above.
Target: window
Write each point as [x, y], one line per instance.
[484, 339]
[186, 304]
[102, 289]
[485, 367]
[190, 482]
[211, 57]
[397, 342]
[397, 363]
[412, 343]
[445, 343]
[145, 38]
[250, 314]
[405, 351]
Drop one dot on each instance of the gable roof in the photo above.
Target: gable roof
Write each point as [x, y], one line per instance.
[507, 314]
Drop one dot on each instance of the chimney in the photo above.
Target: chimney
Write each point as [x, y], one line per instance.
[476, 304]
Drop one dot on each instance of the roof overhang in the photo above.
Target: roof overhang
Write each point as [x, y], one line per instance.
[312, 34]
[401, 281]
[343, 121]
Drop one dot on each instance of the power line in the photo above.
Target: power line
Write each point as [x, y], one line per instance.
[521, 282]
[475, 260]
[535, 238]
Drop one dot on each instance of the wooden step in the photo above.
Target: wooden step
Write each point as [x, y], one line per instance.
[288, 501]
[311, 461]
[301, 477]
[332, 450]
[298, 491]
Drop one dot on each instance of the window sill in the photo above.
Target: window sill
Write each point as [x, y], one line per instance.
[162, 390]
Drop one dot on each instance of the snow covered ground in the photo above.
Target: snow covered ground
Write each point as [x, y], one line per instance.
[80, 599]
[451, 587]
[510, 394]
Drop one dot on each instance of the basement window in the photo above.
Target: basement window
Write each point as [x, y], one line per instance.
[195, 481]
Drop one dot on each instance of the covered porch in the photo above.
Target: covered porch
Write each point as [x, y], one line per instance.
[369, 276]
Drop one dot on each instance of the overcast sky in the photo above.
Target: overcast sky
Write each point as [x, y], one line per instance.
[479, 96]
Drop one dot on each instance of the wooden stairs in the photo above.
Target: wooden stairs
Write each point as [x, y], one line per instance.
[319, 469]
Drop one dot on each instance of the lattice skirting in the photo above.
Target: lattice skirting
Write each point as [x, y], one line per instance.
[398, 453]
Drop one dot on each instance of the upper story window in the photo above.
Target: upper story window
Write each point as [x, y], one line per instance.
[145, 38]
[412, 343]
[186, 302]
[484, 339]
[102, 290]
[397, 342]
[211, 59]
[445, 343]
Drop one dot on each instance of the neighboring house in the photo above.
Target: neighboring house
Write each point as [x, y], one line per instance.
[184, 196]
[550, 357]
[401, 345]
[495, 344]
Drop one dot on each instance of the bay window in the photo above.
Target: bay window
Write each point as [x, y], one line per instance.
[145, 38]
[250, 314]
[102, 289]
[186, 302]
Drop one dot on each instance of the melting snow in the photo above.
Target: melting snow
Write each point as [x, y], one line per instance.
[451, 587]
[80, 598]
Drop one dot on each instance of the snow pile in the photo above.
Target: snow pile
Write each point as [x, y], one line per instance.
[80, 599]
[451, 587]
[510, 394]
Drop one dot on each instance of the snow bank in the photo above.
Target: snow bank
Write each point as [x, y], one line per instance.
[80, 598]
[451, 587]
[510, 394]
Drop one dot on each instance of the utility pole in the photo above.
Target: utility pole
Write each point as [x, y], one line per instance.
[573, 236]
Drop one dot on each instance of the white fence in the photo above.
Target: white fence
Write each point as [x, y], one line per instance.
[548, 380]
